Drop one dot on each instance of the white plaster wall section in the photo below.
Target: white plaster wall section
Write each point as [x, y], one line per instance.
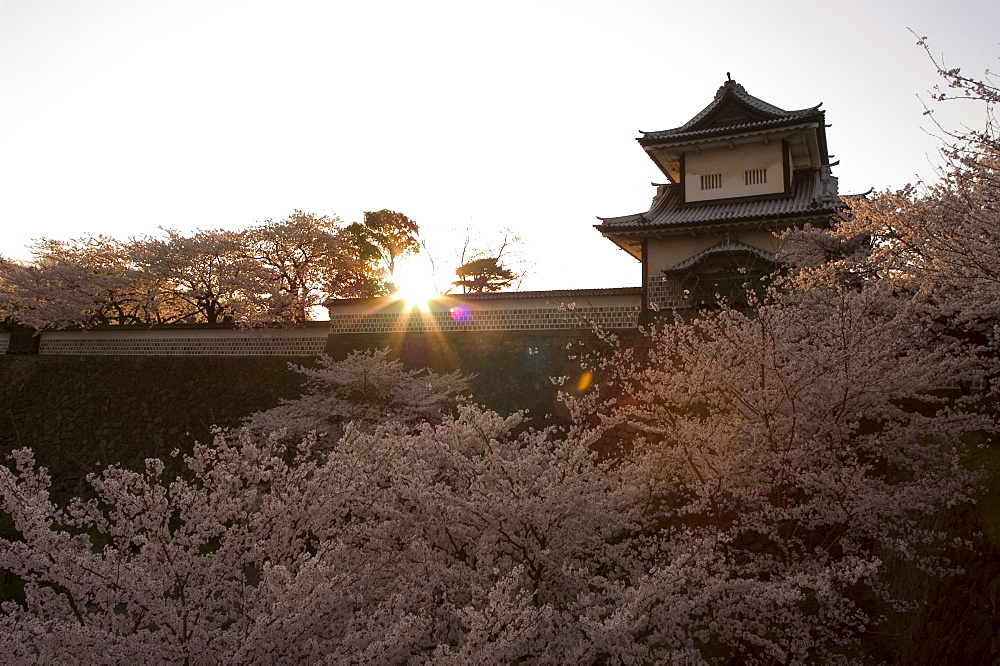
[731, 164]
[553, 318]
[666, 252]
[760, 238]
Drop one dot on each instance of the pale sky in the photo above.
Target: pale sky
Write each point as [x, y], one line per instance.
[121, 116]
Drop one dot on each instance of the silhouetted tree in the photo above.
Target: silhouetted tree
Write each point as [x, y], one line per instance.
[485, 274]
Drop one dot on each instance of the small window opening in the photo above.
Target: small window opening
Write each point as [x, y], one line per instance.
[711, 181]
[755, 176]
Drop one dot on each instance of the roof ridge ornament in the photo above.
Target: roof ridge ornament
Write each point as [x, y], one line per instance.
[730, 84]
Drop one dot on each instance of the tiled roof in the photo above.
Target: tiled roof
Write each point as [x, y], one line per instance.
[680, 133]
[770, 115]
[552, 293]
[810, 195]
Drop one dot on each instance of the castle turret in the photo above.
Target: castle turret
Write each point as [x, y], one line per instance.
[738, 174]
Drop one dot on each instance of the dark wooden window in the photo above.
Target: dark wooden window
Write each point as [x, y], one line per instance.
[711, 181]
[755, 176]
[730, 279]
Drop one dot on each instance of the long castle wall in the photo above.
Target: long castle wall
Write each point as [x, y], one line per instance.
[85, 399]
[83, 411]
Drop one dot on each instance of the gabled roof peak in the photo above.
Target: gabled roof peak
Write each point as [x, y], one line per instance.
[734, 90]
[729, 84]
[732, 107]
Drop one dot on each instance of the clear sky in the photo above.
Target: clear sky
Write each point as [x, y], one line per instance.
[121, 116]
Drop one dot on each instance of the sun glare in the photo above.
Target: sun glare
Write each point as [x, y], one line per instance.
[415, 282]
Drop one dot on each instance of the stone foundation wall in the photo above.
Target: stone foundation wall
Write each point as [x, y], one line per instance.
[80, 413]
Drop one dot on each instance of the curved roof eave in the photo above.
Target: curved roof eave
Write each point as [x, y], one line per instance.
[680, 135]
[674, 229]
[727, 245]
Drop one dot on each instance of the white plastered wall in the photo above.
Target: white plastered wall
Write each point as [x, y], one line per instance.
[731, 164]
[668, 252]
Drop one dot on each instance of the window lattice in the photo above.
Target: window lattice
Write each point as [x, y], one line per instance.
[755, 176]
[711, 181]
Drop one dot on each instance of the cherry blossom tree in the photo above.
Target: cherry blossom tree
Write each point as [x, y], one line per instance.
[275, 272]
[201, 277]
[801, 452]
[365, 389]
[780, 467]
[937, 242]
[303, 260]
[49, 296]
[81, 282]
[455, 541]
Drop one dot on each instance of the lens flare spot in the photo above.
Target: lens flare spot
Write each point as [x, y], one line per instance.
[584, 382]
[460, 314]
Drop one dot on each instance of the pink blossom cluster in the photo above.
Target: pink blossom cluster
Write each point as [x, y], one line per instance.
[774, 479]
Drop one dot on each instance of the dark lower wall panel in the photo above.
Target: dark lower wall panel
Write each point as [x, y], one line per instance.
[80, 413]
[512, 369]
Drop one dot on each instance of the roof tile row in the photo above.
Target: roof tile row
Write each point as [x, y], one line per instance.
[811, 194]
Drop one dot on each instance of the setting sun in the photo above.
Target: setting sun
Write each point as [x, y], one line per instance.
[415, 282]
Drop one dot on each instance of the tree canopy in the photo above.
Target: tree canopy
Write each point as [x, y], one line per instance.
[483, 275]
[275, 271]
[486, 266]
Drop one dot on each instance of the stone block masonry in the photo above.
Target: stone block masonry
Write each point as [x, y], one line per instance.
[81, 413]
[504, 311]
